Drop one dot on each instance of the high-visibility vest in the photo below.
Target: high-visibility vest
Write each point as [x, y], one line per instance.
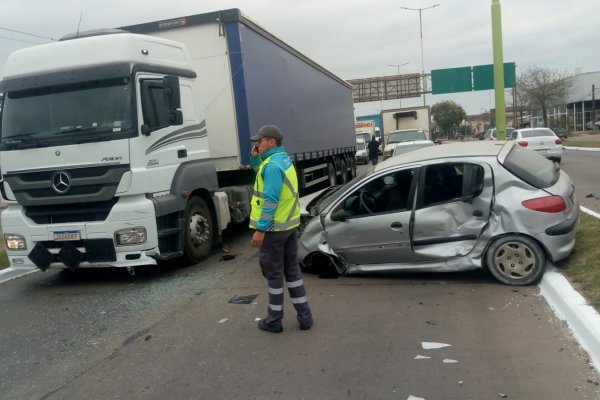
[287, 212]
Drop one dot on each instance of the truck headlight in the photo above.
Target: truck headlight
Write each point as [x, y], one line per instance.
[14, 242]
[131, 236]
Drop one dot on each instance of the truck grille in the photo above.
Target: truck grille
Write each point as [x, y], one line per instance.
[70, 213]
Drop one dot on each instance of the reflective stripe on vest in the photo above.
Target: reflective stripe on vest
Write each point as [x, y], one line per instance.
[287, 212]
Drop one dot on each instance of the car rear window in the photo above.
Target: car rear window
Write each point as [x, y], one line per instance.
[537, 133]
[531, 167]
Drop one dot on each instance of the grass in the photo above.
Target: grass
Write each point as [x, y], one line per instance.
[582, 267]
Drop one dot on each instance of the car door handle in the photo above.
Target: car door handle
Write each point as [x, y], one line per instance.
[477, 213]
[396, 225]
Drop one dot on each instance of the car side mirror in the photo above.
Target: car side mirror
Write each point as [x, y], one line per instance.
[338, 215]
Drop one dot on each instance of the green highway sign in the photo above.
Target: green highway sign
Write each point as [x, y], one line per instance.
[483, 76]
[466, 79]
[451, 80]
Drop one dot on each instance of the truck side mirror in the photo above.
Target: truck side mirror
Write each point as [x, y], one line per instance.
[171, 87]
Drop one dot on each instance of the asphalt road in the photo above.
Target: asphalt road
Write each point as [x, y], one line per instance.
[583, 166]
[170, 332]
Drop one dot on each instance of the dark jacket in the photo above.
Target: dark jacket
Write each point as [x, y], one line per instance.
[373, 148]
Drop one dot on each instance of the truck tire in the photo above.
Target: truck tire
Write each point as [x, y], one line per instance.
[343, 172]
[352, 164]
[198, 230]
[331, 174]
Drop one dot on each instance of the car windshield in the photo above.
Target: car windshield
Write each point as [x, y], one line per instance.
[407, 136]
[361, 145]
[531, 167]
[67, 114]
[536, 133]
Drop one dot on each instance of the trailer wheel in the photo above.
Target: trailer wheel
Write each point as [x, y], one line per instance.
[343, 172]
[198, 230]
[331, 174]
[352, 164]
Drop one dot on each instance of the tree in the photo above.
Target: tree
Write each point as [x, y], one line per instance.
[447, 115]
[542, 87]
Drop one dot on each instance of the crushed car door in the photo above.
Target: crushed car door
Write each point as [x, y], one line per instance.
[453, 207]
[376, 218]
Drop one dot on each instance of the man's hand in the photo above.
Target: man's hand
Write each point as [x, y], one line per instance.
[257, 239]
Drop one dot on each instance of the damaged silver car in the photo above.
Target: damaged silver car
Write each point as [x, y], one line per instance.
[446, 208]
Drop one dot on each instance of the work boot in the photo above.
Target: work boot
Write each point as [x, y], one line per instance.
[273, 328]
[306, 324]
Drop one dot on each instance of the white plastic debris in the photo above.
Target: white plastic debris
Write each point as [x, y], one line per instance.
[411, 397]
[420, 357]
[434, 345]
[449, 361]
[223, 320]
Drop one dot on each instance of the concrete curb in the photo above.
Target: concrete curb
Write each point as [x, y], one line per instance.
[11, 273]
[570, 306]
[582, 148]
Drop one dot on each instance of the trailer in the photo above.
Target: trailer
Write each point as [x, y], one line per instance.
[124, 147]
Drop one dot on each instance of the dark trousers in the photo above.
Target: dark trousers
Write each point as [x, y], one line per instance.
[278, 258]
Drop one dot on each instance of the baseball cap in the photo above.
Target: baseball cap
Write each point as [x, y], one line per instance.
[267, 131]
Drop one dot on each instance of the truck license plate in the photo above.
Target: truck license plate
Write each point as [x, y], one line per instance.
[66, 235]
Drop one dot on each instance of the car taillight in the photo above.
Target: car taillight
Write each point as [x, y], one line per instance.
[558, 141]
[523, 143]
[549, 204]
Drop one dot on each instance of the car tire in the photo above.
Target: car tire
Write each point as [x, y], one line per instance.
[516, 260]
[198, 230]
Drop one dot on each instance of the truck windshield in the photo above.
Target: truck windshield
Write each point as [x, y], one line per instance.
[67, 114]
[407, 136]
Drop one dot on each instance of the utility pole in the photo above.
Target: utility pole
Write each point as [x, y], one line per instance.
[593, 107]
[498, 70]
[398, 81]
[423, 76]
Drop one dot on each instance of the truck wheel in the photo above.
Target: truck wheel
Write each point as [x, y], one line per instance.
[343, 172]
[516, 260]
[198, 230]
[331, 174]
[352, 172]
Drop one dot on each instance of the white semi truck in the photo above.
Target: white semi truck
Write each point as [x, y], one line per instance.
[124, 147]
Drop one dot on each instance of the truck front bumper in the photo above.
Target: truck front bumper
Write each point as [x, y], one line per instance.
[93, 243]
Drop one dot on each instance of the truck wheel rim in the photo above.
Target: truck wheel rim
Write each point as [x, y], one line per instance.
[515, 260]
[199, 229]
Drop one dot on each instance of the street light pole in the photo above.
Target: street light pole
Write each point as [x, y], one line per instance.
[424, 86]
[398, 80]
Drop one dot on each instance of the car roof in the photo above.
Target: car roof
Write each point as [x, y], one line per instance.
[407, 130]
[450, 150]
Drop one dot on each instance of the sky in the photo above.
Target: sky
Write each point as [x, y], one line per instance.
[355, 39]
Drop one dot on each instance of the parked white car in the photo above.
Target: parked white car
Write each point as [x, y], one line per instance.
[362, 153]
[404, 135]
[541, 140]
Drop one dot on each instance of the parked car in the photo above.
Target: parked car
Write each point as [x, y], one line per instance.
[362, 153]
[404, 135]
[405, 147]
[588, 125]
[541, 140]
[454, 207]
[490, 134]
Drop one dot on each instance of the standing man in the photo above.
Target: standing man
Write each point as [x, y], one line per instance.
[373, 150]
[275, 216]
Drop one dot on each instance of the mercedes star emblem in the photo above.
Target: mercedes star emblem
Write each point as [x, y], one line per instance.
[61, 182]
